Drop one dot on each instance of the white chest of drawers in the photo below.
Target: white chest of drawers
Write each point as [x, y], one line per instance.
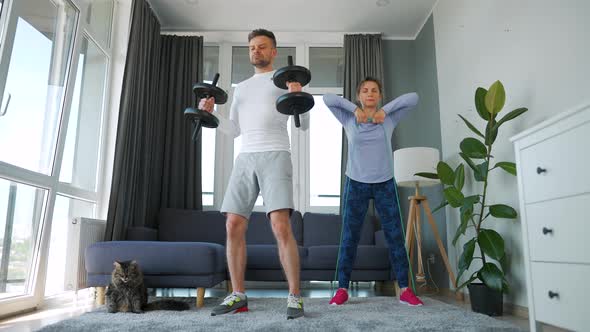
[553, 165]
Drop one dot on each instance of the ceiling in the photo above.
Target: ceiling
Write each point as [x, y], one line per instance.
[396, 19]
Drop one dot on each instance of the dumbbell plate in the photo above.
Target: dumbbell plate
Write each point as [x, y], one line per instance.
[291, 74]
[205, 89]
[302, 101]
[207, 119]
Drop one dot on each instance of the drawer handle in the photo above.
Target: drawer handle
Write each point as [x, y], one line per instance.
[547, 230]
[553, 294]
[541, 170]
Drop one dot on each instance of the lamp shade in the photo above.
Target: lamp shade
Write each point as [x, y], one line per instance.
[410, 161]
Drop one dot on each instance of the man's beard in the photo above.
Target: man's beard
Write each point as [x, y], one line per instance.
[260, 63]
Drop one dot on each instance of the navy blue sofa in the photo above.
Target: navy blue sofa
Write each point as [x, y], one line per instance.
[188, 250]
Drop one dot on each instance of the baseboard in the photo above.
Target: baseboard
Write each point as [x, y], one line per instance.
[516, 310]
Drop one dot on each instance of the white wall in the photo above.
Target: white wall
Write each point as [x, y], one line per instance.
[540, 50]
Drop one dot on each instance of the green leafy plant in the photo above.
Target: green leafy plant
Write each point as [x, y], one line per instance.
[475, 209]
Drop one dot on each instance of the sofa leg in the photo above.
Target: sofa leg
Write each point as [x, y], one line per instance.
[200, 297]
[378, 285]
[100, 293]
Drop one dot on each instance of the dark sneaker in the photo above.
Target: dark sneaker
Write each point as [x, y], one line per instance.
[233, 303]
[340, 297]
[409, 298]
[294, 307]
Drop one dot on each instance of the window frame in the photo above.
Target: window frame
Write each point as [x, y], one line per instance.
[50, 182]
[224, 146]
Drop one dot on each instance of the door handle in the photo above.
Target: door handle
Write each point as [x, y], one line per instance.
[3, 113]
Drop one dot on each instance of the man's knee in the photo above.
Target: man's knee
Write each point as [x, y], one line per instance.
[282, 229]
[235, 225]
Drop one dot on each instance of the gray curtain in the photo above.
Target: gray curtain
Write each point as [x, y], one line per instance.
[363, 56]
[182, 66]
[156, 165]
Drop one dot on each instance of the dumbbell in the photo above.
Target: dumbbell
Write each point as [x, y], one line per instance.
[202, 118]
[293, 103]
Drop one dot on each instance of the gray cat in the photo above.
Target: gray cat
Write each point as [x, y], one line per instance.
[127, 292]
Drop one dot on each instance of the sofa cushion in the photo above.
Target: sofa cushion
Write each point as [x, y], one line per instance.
[260, 229]
[324, 229]
[266, 256]
[367, 258]
[191, 226]
[157, 258]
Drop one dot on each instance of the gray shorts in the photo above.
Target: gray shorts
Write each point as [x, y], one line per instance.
[269, 172]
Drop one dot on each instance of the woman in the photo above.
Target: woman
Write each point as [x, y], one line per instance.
[369, 174]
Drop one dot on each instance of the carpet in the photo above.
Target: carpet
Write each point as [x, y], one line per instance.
[268, 314]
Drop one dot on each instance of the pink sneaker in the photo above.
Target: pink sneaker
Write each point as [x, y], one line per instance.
[409, 298]
[340, 298]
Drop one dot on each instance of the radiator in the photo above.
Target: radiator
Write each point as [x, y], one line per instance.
[82, 232]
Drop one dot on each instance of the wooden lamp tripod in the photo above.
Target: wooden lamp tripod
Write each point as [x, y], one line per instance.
[408, 162]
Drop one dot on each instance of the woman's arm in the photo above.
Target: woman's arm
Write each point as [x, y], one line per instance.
[340, 107]
[401, 106]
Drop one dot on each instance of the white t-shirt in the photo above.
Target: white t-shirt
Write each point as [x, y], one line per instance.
[253, 115]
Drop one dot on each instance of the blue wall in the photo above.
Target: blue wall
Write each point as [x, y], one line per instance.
[410, 65]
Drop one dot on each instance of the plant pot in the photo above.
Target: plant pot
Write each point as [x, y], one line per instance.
[485, 300]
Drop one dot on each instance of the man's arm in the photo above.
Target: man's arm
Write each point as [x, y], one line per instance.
[227, 126]
[303, 118]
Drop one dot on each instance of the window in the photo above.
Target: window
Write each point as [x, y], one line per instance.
[99, 18]
[32, 91]
[21, 210]
[327, 66]
[325, 132]
[325, 153]
[44, 100]
[80, 161]
[65, 211]
[210, 68]
[241, 69]
[316, 153]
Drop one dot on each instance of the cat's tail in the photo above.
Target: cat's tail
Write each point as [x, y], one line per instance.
[166, 305]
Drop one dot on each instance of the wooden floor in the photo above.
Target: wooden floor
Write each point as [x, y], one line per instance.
[65, 308]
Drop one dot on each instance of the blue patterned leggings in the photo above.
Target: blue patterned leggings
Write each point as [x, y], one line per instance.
[356, 200]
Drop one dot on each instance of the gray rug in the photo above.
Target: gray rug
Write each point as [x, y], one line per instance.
[268, 314]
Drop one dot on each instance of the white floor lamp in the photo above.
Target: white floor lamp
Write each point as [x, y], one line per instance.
[408, 162]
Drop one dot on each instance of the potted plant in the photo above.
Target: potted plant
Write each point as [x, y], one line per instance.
[485, 296]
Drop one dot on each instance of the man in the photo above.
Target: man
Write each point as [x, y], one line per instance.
[264, 164]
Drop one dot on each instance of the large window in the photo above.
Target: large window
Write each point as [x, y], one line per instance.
[66, 215]
[325, 134]
[32, 84]
[327, 66]
[21, 210]
[316, 153]
[241, 69]
[52, 110]
[325, 153]
[210, 68]
[80, 160]
[98, 19]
